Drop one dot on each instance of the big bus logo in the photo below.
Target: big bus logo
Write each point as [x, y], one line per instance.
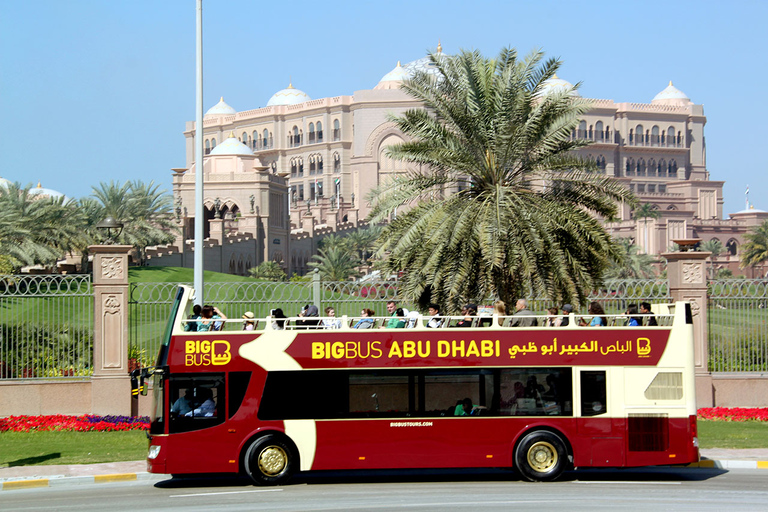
[204, 353]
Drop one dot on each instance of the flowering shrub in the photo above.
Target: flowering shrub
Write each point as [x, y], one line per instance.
[733, 414]
[83, 423]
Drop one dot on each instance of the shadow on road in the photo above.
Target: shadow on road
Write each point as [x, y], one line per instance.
[663, 474]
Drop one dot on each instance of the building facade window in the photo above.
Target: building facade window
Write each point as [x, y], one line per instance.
[599, 131]
[336, 130]
[319, 132]
[311, 134]
[207, 146]
[336, 163]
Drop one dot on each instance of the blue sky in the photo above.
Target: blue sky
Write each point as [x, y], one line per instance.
[100, 90]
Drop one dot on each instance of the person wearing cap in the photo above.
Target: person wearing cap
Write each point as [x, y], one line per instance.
[249, 323]
[525, 318]
[567, 310]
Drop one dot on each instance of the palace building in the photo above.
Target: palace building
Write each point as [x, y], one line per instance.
[281, 176]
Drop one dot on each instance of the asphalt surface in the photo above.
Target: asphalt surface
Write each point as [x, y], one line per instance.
[23, 477]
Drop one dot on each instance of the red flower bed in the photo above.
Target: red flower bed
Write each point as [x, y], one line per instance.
[83, 423]
[733, 413]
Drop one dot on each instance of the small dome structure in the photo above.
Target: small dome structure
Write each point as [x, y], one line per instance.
[221, 109]
[671, 95]
[288, 96]
[231, 146]
[558, 85]
[393, 79]
[4, 182]
[45, 192]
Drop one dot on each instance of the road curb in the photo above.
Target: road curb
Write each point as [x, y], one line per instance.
[53, 481]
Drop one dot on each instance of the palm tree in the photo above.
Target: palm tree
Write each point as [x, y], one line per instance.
[268, 271]
[715, 247]
[646, 211]
[755, 250]
[335, 264]
[145, 211]
[527, 222]
[634, 265]
[36, 230]
[363, 241]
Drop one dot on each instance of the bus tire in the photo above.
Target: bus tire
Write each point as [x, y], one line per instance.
[270, 460]
[541, 456]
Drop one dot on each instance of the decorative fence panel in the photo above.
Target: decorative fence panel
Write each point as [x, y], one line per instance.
[46, 327]
[737, 316]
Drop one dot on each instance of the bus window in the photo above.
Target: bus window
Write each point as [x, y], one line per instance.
[238, 384]
[371, 394]
[445, 391]
[593, 396]
[535, 392]
[196, 401]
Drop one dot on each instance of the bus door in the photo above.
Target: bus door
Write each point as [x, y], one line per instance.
[602, 440]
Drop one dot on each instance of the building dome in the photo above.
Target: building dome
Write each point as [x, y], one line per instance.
[558, 85]
[393, 79]
[220, 109]
[671, 96]
[4, 182]
[231, 146]
[45, 192]
[288, 96]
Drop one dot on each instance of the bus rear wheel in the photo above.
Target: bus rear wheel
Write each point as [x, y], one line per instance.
[541, 456]
[270, 460]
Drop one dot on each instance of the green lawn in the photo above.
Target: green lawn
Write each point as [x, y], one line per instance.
[45, 448]
[733, 434]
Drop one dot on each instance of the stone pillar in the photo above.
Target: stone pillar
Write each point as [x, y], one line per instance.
[110, 384]
[332, 219]
[308, 224]
[217, 230]
[687, 274]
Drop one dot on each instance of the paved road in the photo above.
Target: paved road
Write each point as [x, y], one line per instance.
[654, 489]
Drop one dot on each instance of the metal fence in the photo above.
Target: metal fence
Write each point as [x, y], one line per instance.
[46, 327]
[737, 317]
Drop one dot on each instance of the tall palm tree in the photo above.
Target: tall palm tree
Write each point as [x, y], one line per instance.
[646, 211]
[145, 211]
[527, 222]
[335, 264]
[755, 250]
[715, 247]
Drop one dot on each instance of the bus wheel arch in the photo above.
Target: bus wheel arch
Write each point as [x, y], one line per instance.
[542, 454]
[270, 458]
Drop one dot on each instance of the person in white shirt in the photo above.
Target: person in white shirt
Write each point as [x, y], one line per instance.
[332, 322]
[436, 320]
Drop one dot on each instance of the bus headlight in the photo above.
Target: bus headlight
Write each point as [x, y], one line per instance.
[154, 451]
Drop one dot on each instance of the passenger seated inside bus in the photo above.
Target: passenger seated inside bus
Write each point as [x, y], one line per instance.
[184, 404]
[207, 407]
[463, 407]
[211, 319]
[367, 320]
[310, 317]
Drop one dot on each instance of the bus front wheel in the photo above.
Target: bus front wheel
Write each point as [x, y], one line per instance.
[541, 456]
[270, 460]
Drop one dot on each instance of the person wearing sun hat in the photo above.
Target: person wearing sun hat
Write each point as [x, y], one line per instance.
[249, 324]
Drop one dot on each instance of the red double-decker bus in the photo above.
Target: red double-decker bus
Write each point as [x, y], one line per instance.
[288, 397]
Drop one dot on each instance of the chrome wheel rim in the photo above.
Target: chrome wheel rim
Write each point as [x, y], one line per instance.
[542, 457]
[272, 460]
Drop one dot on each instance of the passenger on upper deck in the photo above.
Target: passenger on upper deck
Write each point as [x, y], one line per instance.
[598, 318]
[310, 314]
[469, 311]
[567, 310]
[645, 308]
[192, 326]
[392, 321]
[249, 323]
[436, 320]
[522, 312]
[553, 320]
[501, 311]
[278, 317]
[332, 322]
[633, 320]
[367, 320]
[211, 319]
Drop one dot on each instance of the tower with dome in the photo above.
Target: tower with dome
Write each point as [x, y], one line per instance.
[326, 154]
